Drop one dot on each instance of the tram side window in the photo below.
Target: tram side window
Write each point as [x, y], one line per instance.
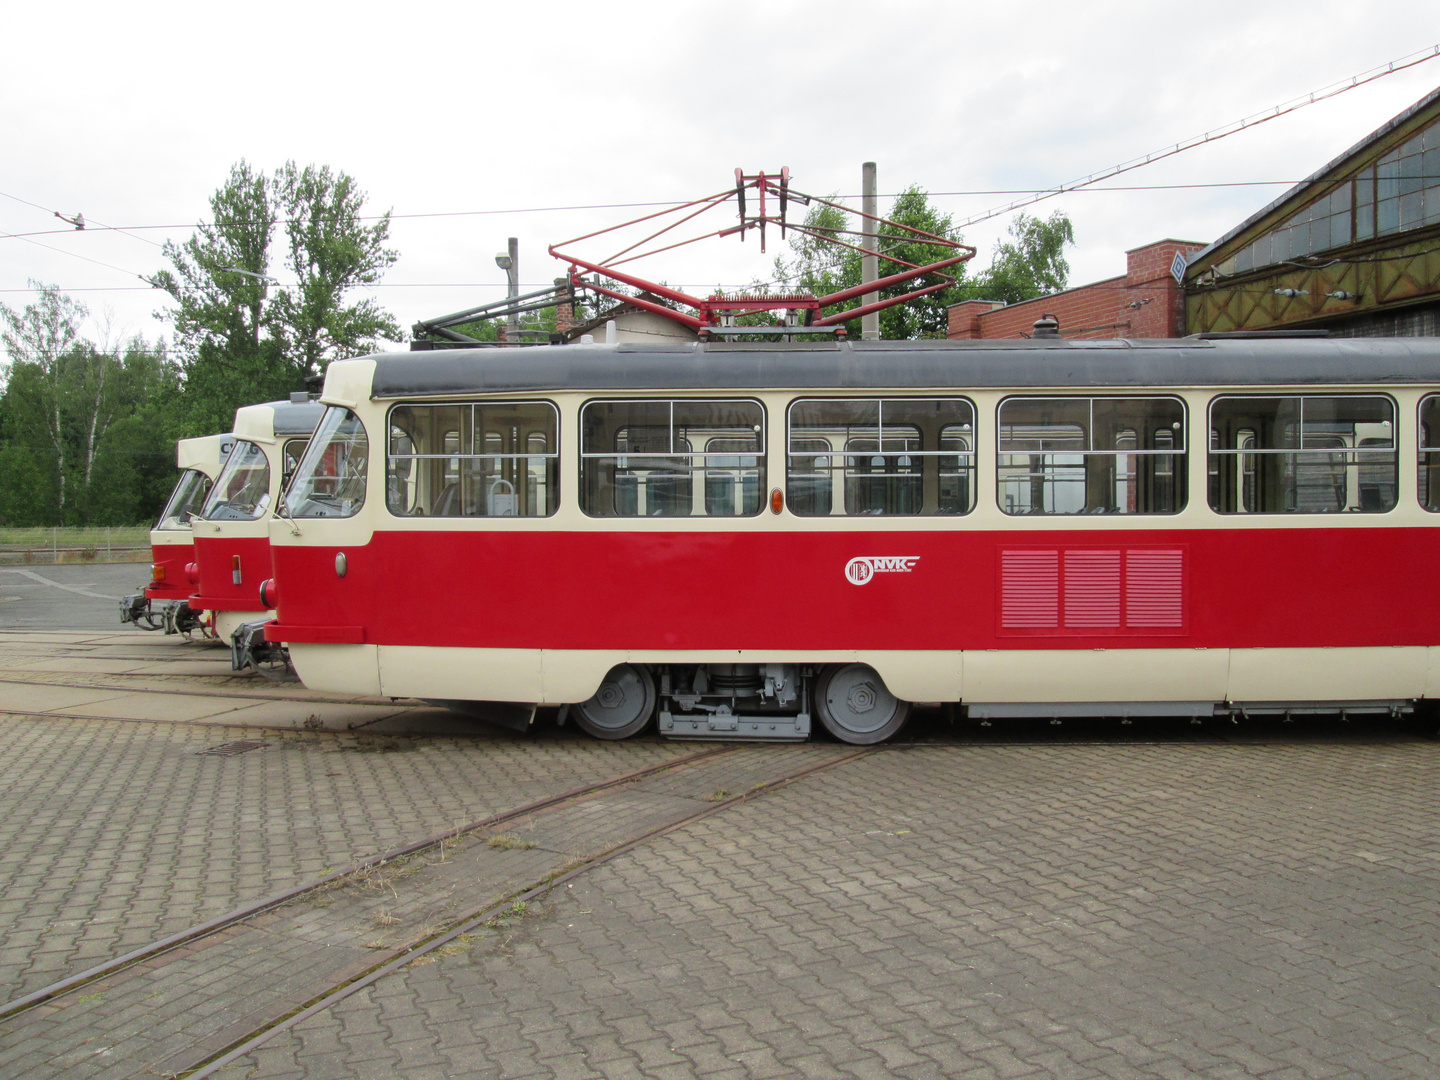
[1303, 454]
[330, 480]
[888, 456]
[482, 459]
[1101, 455]
[1430, 453]
[242, 490]
[672, 458]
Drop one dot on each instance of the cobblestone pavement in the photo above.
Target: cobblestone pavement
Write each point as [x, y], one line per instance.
[976, 911]
[167, 1014]
[117, 833]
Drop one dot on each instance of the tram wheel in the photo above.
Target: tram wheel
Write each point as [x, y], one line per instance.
[854, 705]
[621, 707]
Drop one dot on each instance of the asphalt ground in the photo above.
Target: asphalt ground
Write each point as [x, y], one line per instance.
[1158, 899]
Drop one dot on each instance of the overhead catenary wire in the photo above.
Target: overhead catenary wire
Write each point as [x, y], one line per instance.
[1033, 196]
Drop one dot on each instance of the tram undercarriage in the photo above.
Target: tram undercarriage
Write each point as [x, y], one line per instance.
[743, 701]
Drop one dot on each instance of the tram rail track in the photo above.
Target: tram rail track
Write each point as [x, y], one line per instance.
[19, 1006]
[475, 920]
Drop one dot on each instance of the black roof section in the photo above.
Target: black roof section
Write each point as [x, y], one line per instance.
[909, 365]
[294, 418]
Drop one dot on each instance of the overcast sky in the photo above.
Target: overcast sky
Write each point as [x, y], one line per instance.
[468, 113]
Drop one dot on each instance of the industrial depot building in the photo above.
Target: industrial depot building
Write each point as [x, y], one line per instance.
[1353, 249]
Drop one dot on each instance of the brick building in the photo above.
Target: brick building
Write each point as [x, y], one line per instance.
[1145, 302]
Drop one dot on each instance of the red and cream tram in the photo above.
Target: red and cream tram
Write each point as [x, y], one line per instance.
[172, 547]
[736, 538]
[232, 545]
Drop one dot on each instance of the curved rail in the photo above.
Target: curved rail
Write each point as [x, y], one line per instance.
[185, 937]
[475, 920]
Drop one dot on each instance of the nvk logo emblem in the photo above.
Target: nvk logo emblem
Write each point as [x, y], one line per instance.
[860, 570]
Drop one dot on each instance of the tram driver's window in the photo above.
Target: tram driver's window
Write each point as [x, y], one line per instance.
[1303, 454]
[881, 456]
[479, 459]
[1091, 455]
[672, 458]
[1430, 453]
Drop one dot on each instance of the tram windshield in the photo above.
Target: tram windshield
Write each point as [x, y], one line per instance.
[185, 501]
[242, 491]
[330, 479]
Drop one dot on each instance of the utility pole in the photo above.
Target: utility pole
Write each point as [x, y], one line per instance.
[510, 263]
[869, 263]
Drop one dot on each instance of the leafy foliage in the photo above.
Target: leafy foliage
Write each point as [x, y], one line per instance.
[86, 433]
[240, 340]
[1029, 265]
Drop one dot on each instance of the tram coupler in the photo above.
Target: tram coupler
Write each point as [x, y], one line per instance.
[136, 609]
[249, 651]
[181, 618]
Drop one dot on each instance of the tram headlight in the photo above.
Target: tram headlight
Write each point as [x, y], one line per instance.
[269, 597]
[192, 573]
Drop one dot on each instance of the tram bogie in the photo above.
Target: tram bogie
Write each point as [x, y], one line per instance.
[735, 701]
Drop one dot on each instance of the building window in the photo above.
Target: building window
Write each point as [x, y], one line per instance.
[890, 456]
[1306, 454]
[677, 458]
[1103, 455]
[1401, 191]
[488, 459]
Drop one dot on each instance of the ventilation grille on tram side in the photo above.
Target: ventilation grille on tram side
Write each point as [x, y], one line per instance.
[1092, 591]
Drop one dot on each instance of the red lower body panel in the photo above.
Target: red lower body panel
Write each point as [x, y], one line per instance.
[1222, 588]
[217, 589]
[172, 560]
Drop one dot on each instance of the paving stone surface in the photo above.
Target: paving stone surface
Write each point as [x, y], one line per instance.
[167, 1014]
[116, 833]
[1110, 911]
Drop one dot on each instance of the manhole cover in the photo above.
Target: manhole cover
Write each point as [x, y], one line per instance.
[230, 749]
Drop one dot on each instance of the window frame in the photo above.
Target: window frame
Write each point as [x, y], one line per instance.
[459, 456]
[1251, 468]
[761, 456]
[1178, 475]
[968, 470]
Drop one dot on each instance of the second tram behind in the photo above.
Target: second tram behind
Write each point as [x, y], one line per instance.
[232, 545]
[733, 539]
[163, 604]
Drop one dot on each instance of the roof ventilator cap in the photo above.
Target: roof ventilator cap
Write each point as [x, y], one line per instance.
[1046, 326]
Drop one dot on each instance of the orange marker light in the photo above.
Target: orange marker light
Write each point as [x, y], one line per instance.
[157, 572]
[777, 501]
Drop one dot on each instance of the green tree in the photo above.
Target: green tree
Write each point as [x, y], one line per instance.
[330, 252]
[1031, 264]
[824, 267]
[241, 338]
[86, 432]
[37, 339]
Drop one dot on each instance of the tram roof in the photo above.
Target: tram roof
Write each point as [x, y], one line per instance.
[912, 365]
